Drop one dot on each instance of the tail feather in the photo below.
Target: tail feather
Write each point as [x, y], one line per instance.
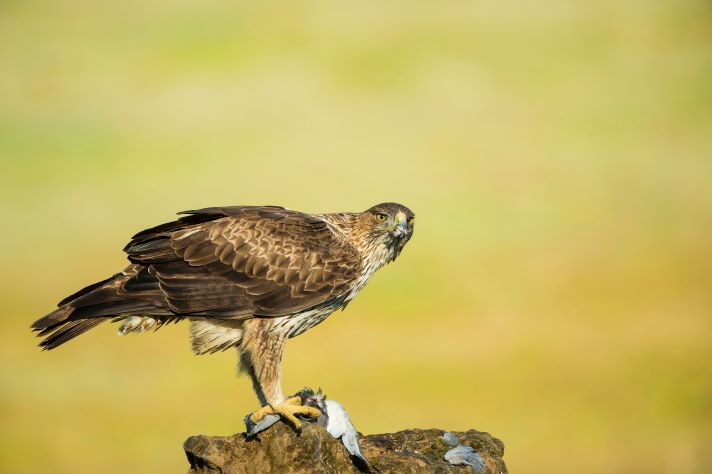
[86, 290]
[69, 331]
[47, 324]
[130, 292]
[119, 308]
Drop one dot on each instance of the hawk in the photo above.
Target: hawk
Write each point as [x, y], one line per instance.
[249, 277]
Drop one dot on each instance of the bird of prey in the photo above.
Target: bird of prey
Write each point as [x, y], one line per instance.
[248, 277]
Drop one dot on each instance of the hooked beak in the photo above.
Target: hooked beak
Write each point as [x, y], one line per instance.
[401, 228]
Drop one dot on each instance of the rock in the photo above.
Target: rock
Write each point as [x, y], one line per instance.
[280, 449]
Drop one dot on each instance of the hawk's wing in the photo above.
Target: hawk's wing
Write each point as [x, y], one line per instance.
[237, 262]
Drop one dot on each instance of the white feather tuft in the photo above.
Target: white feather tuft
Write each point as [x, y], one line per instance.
[137, 324]
[212, 335]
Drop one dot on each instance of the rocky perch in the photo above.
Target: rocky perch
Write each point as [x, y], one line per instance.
[280, 449]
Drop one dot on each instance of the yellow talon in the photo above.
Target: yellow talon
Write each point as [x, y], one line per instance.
[257, 416]
[287, 411]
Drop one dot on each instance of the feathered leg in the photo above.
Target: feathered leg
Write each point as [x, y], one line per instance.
[260, 356]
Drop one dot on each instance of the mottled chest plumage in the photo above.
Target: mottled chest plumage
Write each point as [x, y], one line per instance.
[294, 325]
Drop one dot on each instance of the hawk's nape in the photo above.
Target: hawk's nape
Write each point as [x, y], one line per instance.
[246, 276]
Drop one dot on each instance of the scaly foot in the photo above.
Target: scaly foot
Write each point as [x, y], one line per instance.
[287, 410]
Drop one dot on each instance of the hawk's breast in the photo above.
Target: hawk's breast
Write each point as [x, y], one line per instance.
[296, 324]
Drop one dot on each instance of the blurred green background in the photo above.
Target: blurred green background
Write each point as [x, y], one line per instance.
[558, 155]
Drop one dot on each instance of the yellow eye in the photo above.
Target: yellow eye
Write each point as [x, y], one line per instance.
[411, 220]
[381, 217]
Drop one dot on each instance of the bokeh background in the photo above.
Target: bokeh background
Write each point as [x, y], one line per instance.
[558, 155]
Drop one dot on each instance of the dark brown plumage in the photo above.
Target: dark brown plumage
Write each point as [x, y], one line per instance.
[245, 276]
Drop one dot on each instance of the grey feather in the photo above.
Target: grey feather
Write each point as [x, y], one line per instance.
[450, 439]
[253, 428]
[340, 427]
[465, 455]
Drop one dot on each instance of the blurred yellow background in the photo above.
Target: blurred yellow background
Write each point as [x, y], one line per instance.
[558, 289]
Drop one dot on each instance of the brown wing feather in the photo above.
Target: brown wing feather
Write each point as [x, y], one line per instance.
[245, 261]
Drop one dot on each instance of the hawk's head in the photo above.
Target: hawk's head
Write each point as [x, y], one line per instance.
[388, 226]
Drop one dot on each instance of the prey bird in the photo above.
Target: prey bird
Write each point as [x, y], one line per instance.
[248, 277]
